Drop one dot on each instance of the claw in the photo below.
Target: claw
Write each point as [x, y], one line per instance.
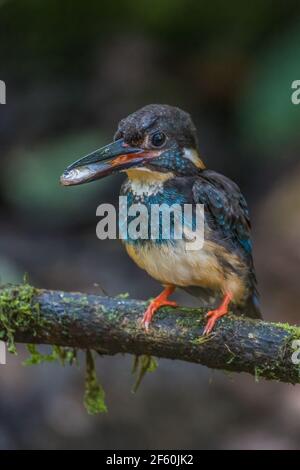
[210, 324]
[214, 315]
[157, 303]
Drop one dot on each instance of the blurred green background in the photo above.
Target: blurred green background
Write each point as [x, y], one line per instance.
[72, 71]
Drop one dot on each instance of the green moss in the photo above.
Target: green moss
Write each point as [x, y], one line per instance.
[83, 301]
[103, 309]
[141, 365]
[18, 311]
[61, 354]
[232, 356]
[200, 340]
[257, 374]
[266, 372]
[293, 330]
[124, 295]
[189, 321]
[94, 397]
[111, 316]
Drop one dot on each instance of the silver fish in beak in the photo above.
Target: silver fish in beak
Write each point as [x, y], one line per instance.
[115, 157]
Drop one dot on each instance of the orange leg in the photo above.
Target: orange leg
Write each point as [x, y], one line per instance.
[214, 315]
[160, 301]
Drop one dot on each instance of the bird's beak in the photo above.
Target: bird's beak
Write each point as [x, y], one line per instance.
[110, 159]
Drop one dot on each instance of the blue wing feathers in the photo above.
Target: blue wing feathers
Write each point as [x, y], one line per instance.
[226, 208]
[227, 215]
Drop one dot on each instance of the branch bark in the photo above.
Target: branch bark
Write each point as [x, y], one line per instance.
[112, 325]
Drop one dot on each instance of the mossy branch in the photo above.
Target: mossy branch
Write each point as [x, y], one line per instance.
[112, 325]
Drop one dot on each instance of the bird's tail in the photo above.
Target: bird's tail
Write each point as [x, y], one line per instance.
[252, 308]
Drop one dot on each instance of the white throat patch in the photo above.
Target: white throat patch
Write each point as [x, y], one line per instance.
[144, 181]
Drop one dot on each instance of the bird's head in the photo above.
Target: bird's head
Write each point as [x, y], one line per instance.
[156, 138]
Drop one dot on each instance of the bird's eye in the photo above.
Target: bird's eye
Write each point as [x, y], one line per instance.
[158, 139]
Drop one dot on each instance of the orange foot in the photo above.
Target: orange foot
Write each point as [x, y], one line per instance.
[160, 301]
[214, 315]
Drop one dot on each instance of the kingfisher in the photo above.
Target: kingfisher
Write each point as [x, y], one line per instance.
[157, 148]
